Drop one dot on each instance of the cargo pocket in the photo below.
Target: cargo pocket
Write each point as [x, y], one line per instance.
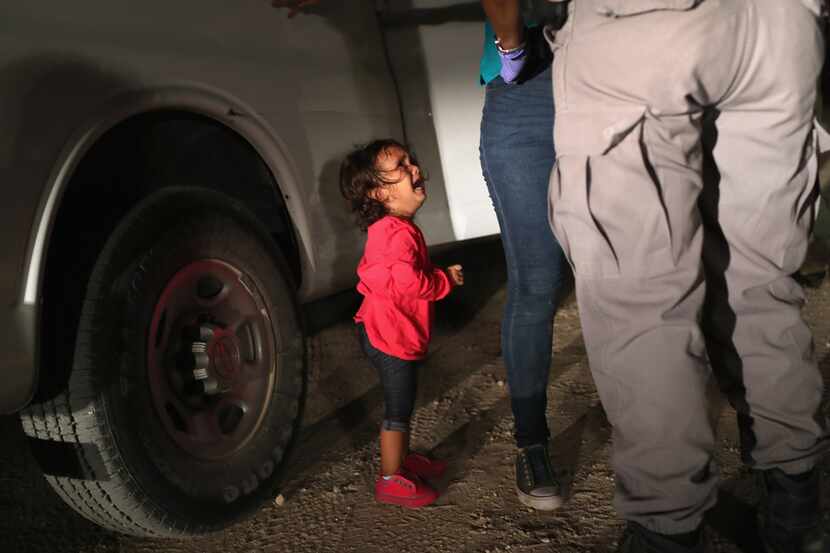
[555, 219]
[625, 8]
[606, 205]
[785, 224]
[587, 249]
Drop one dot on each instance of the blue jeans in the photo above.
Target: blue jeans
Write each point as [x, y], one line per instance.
[516, 157]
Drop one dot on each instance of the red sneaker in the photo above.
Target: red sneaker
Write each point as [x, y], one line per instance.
[406, 490]
[423, 466]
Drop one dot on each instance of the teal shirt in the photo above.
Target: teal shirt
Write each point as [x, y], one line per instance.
[490, 65]
[490, 60]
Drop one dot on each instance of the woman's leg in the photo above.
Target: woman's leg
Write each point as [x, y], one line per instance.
[516, 157]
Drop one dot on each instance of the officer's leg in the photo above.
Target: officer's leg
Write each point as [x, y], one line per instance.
[623, 199]
[764, 148]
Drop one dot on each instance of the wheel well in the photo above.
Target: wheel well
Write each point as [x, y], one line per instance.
[129, 162]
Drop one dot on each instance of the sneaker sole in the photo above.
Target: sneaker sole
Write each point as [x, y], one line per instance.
[412, 503]
[550, 503]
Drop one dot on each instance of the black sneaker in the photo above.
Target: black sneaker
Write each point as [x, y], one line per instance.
[536, 484]
[638, 539]
[791, 520]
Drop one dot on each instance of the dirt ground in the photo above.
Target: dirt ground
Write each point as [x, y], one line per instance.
[463, 415]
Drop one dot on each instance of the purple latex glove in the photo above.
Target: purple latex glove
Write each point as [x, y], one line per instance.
[511, 64]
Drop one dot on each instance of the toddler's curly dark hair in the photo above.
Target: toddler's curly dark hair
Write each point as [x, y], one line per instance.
[359, 176]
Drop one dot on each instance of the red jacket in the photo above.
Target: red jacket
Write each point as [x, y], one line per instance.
[399, 285]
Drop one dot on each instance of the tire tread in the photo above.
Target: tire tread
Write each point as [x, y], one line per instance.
[109, 494]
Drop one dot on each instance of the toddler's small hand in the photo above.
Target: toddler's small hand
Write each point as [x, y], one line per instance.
[456, 274]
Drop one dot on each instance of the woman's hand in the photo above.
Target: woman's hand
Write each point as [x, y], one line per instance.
[456, 274]
[294, 6]
[505, 17]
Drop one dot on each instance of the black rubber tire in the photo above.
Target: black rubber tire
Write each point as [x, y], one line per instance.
[100, 441]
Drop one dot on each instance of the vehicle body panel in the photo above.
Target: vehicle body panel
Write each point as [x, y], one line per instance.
[449, 36]
[301, 91]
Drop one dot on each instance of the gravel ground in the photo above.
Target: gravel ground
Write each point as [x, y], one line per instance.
[463, 415]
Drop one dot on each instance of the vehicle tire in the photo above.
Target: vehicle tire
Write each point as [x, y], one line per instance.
[188, 374]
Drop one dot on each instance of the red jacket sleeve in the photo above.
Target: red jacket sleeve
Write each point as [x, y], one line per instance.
[403, 274]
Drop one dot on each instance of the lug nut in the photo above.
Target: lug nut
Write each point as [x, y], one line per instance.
[210, 386]
[200, 374]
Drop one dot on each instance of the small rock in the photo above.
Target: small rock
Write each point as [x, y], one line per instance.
[500, 383]
[280, 500]
[545, 540]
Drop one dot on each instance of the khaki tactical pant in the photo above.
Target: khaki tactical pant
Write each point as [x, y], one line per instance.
[683, 196]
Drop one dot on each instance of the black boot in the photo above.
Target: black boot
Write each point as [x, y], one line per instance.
[791, 520]
[638, 539]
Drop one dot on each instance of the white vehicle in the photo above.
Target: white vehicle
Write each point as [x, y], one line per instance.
[169, 172]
